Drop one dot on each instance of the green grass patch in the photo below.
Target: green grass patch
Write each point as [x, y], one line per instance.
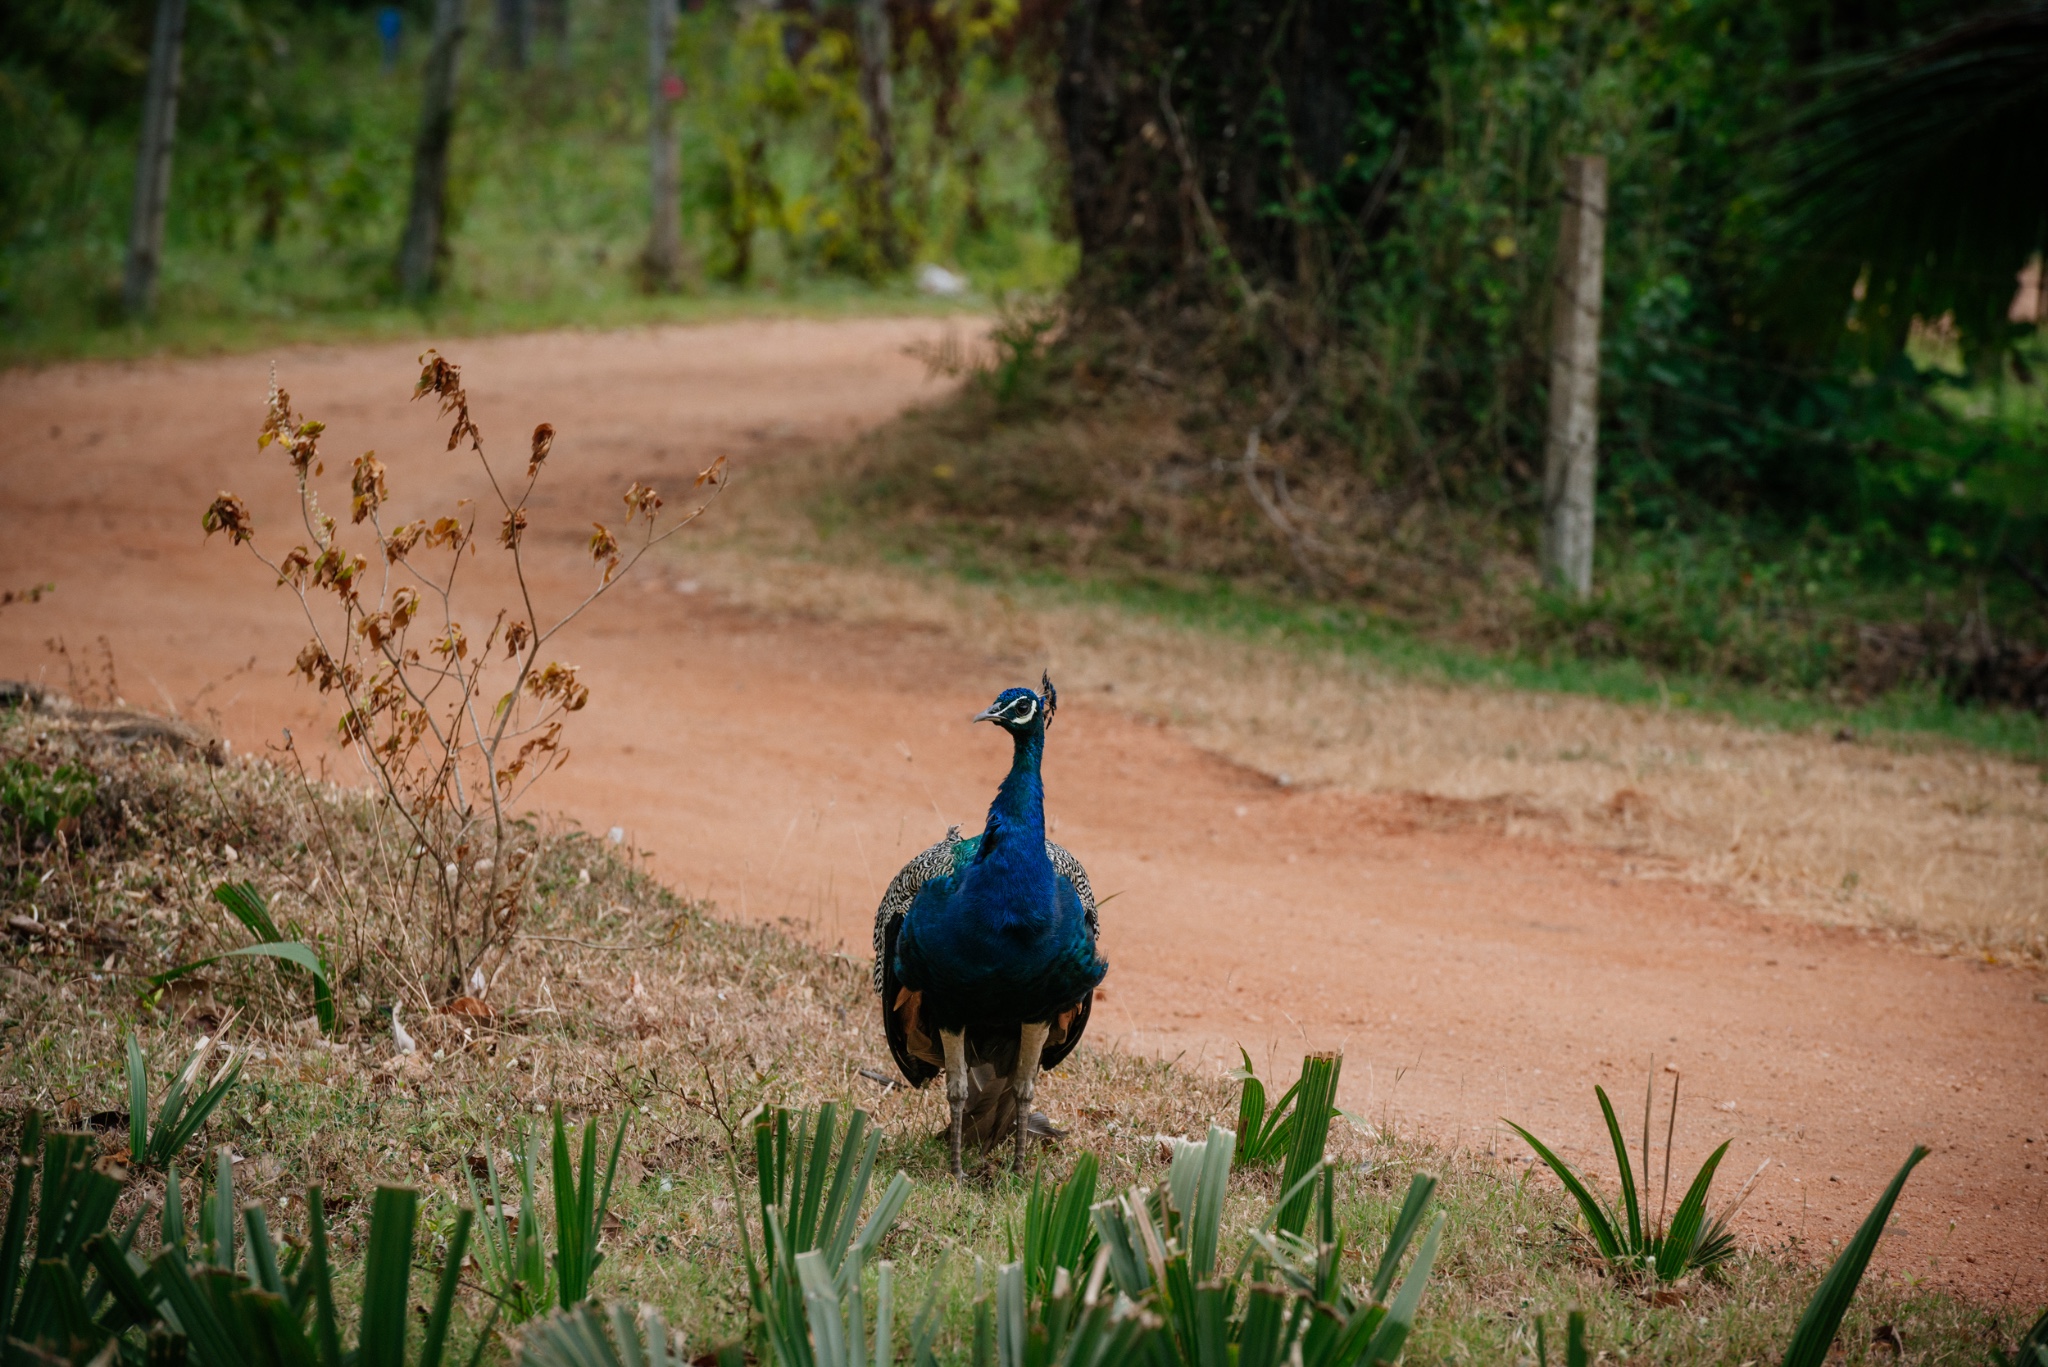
[1903, 716]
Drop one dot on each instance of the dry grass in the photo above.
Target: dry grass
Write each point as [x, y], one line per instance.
[1924, 838]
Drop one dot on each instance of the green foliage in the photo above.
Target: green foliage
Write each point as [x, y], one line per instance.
[580, 1207]
[806, 1283]
[294, 156]
[155, 1143]
[1632, 1241]
[37, 803]
[1058, 1232]
[1264, 1133]
[85, 1293]
[44, 1302]
[246, 904]
[512, 1253]
[578, 1338]
[1286, 1299]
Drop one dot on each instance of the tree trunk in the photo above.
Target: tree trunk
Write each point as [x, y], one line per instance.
[661, 263]
[419, 252]
[515, 33]
[1572, 443]
[877, 94]
[153, 160]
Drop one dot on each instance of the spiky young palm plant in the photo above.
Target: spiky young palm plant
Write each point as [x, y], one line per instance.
[1630, 1239]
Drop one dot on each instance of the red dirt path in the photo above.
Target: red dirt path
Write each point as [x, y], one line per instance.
[785, 768]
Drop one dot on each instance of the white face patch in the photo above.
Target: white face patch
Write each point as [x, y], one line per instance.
[1030, 710]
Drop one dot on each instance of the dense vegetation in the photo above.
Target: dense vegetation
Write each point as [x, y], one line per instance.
[1821, 455]
[294, 156]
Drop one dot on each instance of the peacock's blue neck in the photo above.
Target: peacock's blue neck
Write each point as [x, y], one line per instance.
[1016, 819]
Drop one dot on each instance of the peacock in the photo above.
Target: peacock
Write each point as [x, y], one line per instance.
[985, 954]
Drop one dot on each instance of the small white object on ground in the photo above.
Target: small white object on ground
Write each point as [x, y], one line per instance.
[932, 278]
[398, 1036]
[617, 835]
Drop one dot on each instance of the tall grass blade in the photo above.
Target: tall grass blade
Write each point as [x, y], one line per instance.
[1421, 1189]
[262, 1253]
[387, 1277]
[317, 1281]
[220, 1226]
[1823, 1318]
[1312, 1110]
[138, 1101]
[1057, 1229]
[1598, 1218]
[246, 905]
[1393, 1331]
[172, 1229]
[20, 1201]
[1682, 1240]
[435, 1341]
[1631, 1206]
[580, 1208]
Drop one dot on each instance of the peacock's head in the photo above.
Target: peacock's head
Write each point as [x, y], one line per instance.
[1022, 712]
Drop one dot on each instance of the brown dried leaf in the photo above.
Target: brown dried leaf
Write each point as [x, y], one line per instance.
[543, 442]
[514, 528]
[367, 487]
[228, 514]
[641, 499]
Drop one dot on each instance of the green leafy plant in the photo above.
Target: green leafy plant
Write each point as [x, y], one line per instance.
[805, 1287]
[1629, 1239]
[153, 1143]
[1286, 1296]
[580, 1207]
[1058, 1230]
[511, 1252]
[247, 906]
[45, 1303]
[1818, 1327]
[577, 1338]
[1264, 1133]
[252, 1306]
[40, 802]
[1286, 1300]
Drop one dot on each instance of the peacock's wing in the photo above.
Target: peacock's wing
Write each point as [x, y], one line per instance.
[1066, 866]
[1072, 1023]
[916, 1051]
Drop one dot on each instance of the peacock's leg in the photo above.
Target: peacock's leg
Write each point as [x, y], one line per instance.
[955, 1044]
[1030, 1048]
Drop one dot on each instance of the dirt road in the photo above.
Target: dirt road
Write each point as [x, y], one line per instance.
[786, 767]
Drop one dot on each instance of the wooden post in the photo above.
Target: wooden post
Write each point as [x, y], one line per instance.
[877, 93]
[153, 160]
[1571, 446]
[661, 263]
[419, 251]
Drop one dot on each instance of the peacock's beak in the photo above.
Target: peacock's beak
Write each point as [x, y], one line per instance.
[986, 714]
